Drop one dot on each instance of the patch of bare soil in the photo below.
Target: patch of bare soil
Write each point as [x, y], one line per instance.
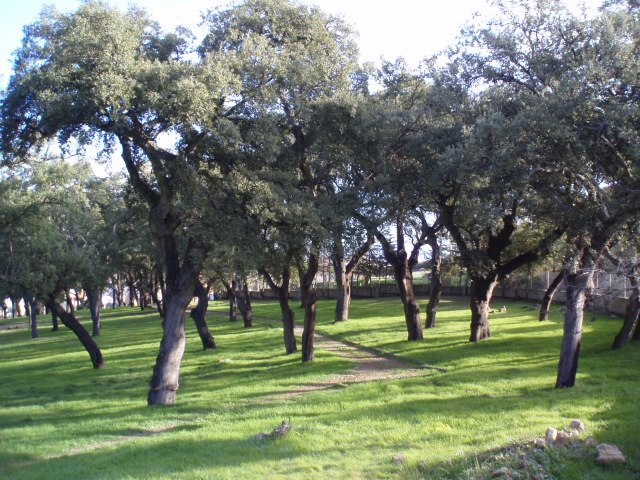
[13, 326]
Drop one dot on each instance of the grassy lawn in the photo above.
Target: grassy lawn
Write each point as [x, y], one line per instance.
[59, 418]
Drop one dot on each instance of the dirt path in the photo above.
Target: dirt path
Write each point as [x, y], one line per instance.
[370, 365]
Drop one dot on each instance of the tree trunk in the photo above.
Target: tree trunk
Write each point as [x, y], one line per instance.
[199, 314]
[70, 321]
[54, 320]
[548, 296]
[632, 315]
[33, 313]
[309, 329]
[166, 372]
[404, 279]
[481, 292]
[301, 272]
[288, 316]
[343, 283]
[17, 309]
[244, 305]
[436, 284]
[578, 284]
[94, 296]
[233, 301]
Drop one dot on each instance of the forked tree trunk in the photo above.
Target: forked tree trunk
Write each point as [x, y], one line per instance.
[343, 282]
[282, 294]
[404, 279]
[199, 315]
[578, 284]
[548, 296]
[436, 284]
[343, 272]
[70, 321]
[93, 296]
[33, 313]
[481, 293]
[306, 286]
[632, 315]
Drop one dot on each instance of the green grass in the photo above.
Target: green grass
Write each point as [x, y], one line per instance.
[495, 393]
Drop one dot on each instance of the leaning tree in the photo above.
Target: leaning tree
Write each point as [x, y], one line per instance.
[100, 76]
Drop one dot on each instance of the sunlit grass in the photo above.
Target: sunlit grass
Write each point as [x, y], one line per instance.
[493, 393]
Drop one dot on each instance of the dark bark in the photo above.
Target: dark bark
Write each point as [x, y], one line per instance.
[94, 296]
[402, 265]
[133, 296]
[343, 272]
[301, 271]
[33, 313]
[481, 292]
[70, 321]
[233, 301]
[578, 284]
[486, 266]
[5, 309]
[243, 299]
[343, 284]
[632, 315]
[181, 281]
[288, 316]
[436, 282]
[309, 328]
[199, 315]
[54, 320]
[547, 299]
[154, 292]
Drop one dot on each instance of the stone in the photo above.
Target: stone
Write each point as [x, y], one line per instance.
[551, 435]
[503, 472]
[563, 439]
[609, 454]
[577, 425]
[591, 442]
[400, 458]
[539, 442]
